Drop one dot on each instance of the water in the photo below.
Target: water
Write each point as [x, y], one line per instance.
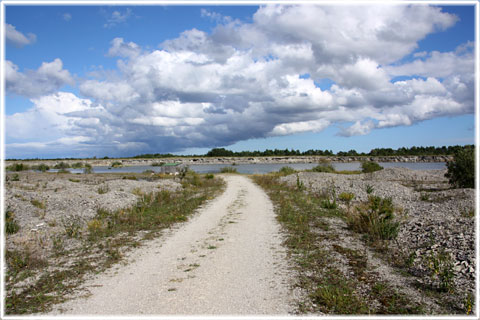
[267, 167]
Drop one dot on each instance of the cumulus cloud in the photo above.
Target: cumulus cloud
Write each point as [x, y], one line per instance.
[18, 39]
[48, 78]
[246, 80]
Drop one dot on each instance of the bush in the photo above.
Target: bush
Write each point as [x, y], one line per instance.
[286, 171]
[461, 170]
[62, 165]
[11, 226]
[370, 166]
[41, 167]
[324, 166]
[88, 168]
[17, 167]
[376, 219]
[77, 165]
[116, 164]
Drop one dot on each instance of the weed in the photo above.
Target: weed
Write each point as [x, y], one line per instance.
[285, 171]
[38, 204]
[375, 218]
[300, 185]
[346, 197]
[11, 226]
[15, 177]
[324, 166]
[57, 243]
[328, 204]
[209, 176]
[116, 164]
[138, 192]
[94, 226]
[469, 302]
[61, 165]
[424, 197]
[468, 213]
[41, 167]
[72, 226]
[17, 167]
[73, 180]
[103, 189]
[228, 170]
[88, 168]
[78, 165]
[369, 189]
[440, 267]
[129, 178]
[157, 164]
[210, 247]
[63, 171]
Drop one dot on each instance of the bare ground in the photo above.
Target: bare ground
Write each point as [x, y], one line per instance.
[227, 259]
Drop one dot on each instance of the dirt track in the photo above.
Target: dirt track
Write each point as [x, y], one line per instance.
[227, 260]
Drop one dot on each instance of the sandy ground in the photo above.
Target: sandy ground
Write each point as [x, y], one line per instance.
[227, 260]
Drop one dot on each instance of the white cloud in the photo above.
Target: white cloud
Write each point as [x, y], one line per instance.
[48, 78]
[122, 49]
[67, 16]
[18, 39]
[118, 17]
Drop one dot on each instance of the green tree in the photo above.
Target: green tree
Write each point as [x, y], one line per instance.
[461, 170]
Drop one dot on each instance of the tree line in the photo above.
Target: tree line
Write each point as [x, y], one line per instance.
[413, 151]
[377, 152]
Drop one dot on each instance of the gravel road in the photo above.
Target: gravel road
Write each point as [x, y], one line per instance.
[227, 260]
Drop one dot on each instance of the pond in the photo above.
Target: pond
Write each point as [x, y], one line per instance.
[266, 167]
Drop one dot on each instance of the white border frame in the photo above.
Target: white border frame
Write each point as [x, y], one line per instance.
[233, 3]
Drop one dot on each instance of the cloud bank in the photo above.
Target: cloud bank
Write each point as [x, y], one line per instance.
[261, 79]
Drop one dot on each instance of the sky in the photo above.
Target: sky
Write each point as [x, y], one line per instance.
[94, 80]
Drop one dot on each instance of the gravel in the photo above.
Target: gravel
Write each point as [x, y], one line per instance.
[434, 219]
[227, 260]
[60, 199]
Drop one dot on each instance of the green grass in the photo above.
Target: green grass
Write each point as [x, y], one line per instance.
[11, 226]
[327, 289]
[370, 166]
[37, 203]
[17, 167]
[375, 218]
[103, 241]
[228, 170]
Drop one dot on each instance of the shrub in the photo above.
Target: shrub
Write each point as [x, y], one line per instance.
[228, 170]
[461, 170]
[286, 171]
[17, 167]
[62, 165]
[209, 176]
[72, 226]
[11, 226]
[324, 166]
[41, 167]
[375, 218]
[88, 168]
[77, 165]
[370, 166]
[116, 164]
[157, 164]
[103, 189]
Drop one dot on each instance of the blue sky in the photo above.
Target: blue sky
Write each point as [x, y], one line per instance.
[86, 81]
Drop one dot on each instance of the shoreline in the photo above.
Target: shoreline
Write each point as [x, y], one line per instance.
[240, 160]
